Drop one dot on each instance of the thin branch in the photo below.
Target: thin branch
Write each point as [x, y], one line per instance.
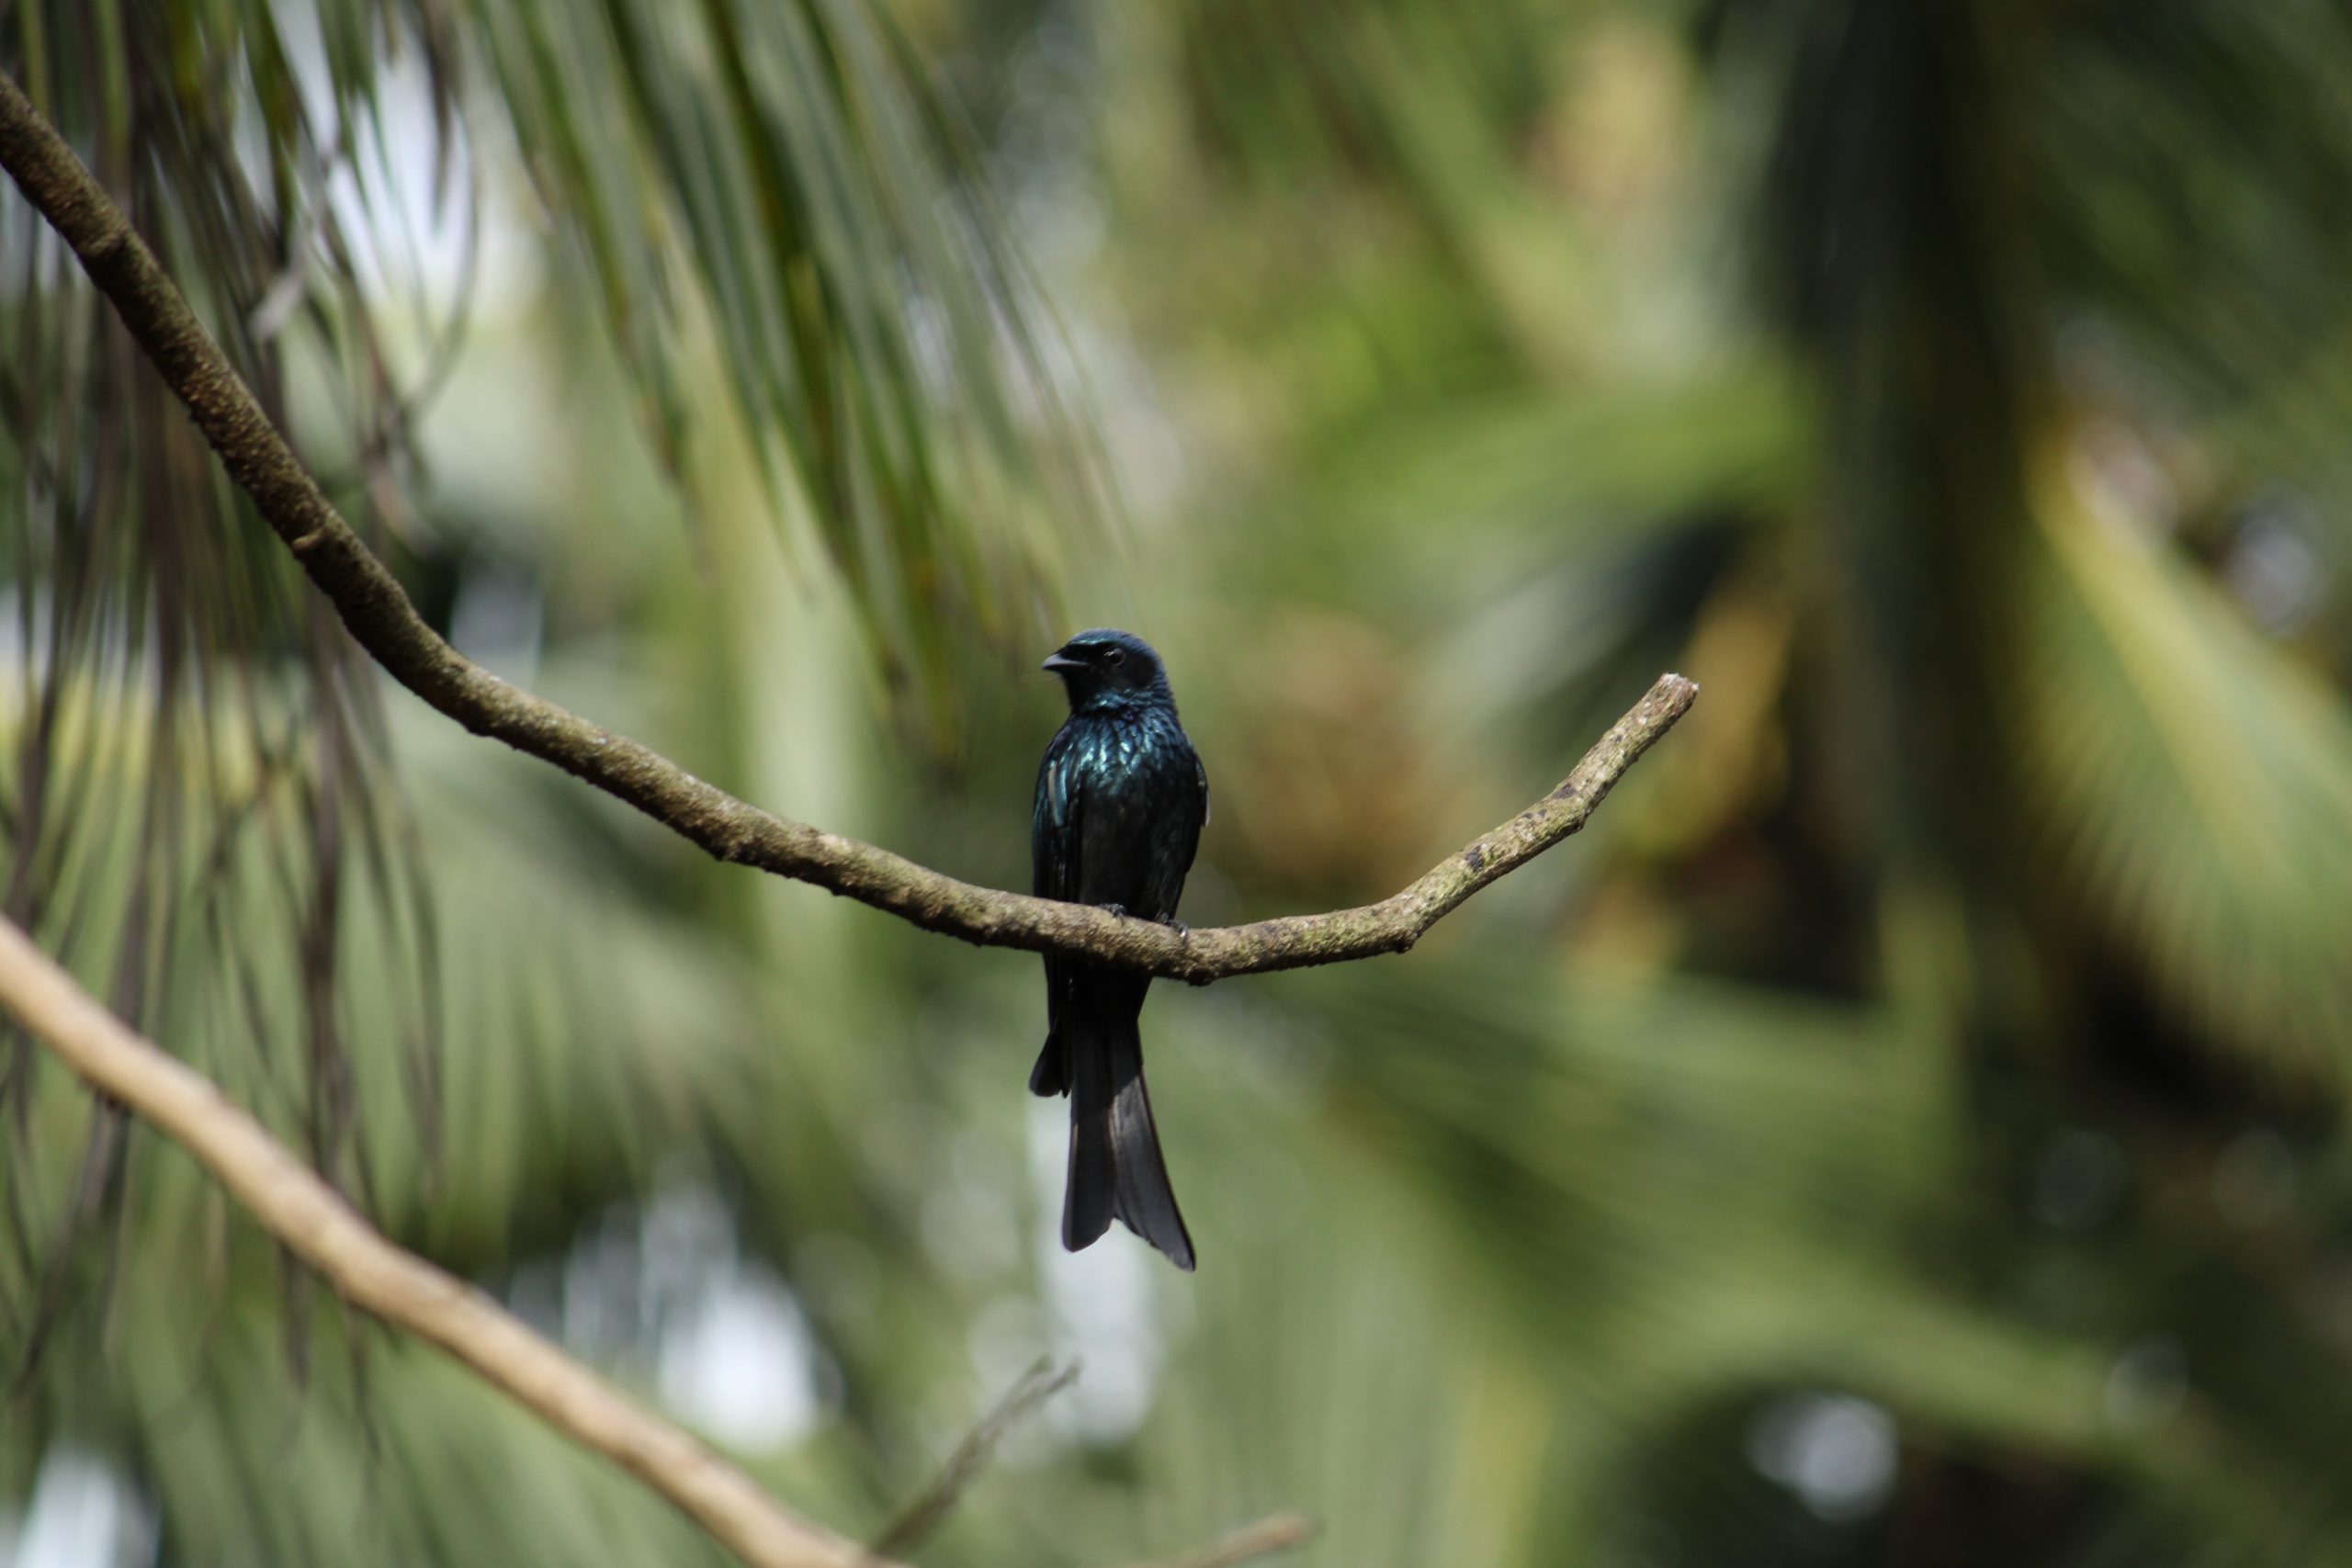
[379, 613]
[317, 1225]
[1277, 1532]
[922, 1515]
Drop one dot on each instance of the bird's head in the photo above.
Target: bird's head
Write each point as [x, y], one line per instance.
[1106, 669]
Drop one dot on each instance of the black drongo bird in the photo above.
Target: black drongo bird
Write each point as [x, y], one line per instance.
[1120, 802]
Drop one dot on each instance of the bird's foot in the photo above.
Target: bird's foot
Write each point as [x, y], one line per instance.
[1172, 924]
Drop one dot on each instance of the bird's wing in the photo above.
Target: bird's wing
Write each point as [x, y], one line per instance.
[1054, 839]
[1195, 817]
[1054, 830]
[1174, 836]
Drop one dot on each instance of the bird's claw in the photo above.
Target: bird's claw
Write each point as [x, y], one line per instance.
[1182, 930]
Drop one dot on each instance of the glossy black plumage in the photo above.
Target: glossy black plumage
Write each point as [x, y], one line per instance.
[1120, 802]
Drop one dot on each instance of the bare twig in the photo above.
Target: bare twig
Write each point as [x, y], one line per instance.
[380, 617]
[920, 1517]
[1276, 1532]
[304, 1212]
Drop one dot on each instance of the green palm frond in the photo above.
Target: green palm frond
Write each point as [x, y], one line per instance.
[1651, 1194]
[244, 1461]
[775, 183]
[769, 190]
[583, 1039]
[2197, 786]
[1527, 467]
[472, 1117]
[781, 168]
[2176, 161]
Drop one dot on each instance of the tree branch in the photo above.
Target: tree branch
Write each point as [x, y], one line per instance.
[1277, 1532]
[380, 615]
[932, 1504]
[294, 1205]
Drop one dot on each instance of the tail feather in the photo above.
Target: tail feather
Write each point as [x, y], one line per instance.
[1115, 1168]
[1145, 1202]
[1050, 1076]
[1089, 1198]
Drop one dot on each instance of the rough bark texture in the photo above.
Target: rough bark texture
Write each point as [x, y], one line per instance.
[379, 613]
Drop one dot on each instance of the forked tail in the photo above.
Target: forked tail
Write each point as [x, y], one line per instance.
[1115, 1168]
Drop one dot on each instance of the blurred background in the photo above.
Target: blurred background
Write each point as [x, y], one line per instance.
[1902, 1128]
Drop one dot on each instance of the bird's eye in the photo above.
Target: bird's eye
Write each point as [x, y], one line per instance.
[1115, 656]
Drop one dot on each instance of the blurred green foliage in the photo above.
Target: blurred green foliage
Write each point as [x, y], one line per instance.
[1903, 1130]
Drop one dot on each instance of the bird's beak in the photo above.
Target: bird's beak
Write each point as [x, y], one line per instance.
[1058, 661]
